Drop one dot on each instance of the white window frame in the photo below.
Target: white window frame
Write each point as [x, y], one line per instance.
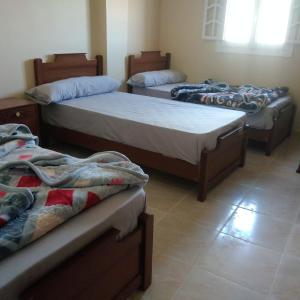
[213, 29]
[286, 50]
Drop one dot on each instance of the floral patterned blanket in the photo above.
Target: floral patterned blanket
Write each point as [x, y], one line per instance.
[40, 188]
[248, 98]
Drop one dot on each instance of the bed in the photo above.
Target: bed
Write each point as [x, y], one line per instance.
[270, 126]
[111, 128]
[105, 252]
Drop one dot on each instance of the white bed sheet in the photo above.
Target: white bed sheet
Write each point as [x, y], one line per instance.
[21, 269]
[261, 120]
[172, 128]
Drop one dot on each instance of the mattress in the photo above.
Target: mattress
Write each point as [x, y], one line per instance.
[175, 129]
[21, 269]
[261, 120]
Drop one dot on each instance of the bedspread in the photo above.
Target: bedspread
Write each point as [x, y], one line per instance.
[248, 98]
[40, 188]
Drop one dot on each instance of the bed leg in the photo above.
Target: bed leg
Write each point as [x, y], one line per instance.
[44, 140]
[269, 143]
[298, 170]
[202, 193]
[203, 177]
[147, 222]
[268, 152]
[294, 109]
[268, 148]
[244, 151]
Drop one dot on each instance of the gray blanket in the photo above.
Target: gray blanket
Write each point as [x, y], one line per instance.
[40, 188]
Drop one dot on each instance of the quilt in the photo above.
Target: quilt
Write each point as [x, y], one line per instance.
[40, 188]
[247, 98]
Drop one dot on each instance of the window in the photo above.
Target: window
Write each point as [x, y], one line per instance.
[239, 21]
[263, 22]
[253, 26]
[272, 21]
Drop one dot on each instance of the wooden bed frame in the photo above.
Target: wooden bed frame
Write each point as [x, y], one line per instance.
[153, 60]
[214, 165]
[105, 269]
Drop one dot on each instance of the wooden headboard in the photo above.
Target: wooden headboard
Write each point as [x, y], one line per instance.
[148, 61]
[66, 66]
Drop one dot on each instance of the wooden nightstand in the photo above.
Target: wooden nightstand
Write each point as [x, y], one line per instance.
[20, 111]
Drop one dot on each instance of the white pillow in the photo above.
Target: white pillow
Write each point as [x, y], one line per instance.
[155, 78]
[72, 88]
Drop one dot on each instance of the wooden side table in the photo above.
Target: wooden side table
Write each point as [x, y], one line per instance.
[20, 111]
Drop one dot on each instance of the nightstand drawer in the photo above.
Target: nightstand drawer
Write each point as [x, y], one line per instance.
[20, 114]
[26, 115]
[20, 111]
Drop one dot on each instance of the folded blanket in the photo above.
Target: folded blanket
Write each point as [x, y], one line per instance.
[40, 188]
[248, 98]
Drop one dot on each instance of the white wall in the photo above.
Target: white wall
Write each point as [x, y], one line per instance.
[181, 30]
[35, 28]
[117, 37]
[143, 25]
[98, 29]
[123, 27]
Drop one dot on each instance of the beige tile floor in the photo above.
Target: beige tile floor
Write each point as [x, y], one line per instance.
[242, 243]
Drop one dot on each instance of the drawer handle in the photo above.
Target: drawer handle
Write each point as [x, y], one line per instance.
[18, 114]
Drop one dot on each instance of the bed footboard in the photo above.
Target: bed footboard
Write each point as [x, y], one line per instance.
[282, 129]
[215, 165]
[105, 269]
